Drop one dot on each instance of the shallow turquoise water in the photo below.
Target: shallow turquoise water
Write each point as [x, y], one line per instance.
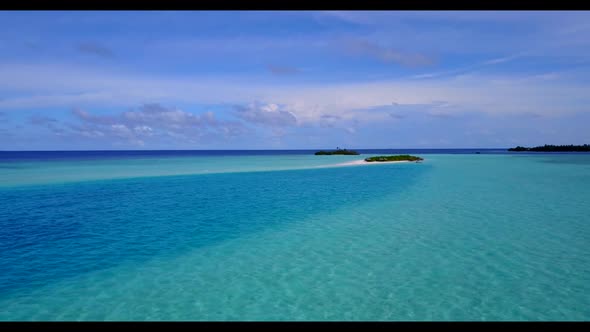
[47, 172]
[458, 237]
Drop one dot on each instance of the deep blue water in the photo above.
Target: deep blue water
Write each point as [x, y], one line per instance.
[96, 224]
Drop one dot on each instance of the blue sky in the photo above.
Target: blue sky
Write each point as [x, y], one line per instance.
[293, 80]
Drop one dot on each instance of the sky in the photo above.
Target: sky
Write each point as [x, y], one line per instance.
[103, 80]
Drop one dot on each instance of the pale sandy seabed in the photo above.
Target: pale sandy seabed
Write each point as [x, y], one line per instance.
[363, 162]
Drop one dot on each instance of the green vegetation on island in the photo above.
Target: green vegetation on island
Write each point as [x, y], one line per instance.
[554, 148]
[337, 151]
[401, 157]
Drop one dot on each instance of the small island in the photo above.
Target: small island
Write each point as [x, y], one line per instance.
[554, 148]
[401, 157]
[337, 151]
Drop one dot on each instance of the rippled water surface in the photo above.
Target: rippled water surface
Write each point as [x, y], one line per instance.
[290, 237]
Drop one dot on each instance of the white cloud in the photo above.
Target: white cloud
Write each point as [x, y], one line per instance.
[150, 121]
[38, 87]
[502, 59]
[267, 114]
[143, 130]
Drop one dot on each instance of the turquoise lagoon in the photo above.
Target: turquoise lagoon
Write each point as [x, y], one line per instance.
[296, 237]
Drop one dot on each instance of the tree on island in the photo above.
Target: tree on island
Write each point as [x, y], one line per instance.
[402, 157]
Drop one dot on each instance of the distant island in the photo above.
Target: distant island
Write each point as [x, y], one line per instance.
[554, 148]
[401, 157]
[337, 151]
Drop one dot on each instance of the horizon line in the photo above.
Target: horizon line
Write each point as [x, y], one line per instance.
[104, 150]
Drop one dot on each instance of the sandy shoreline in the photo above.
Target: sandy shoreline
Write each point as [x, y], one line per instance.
[363, 162]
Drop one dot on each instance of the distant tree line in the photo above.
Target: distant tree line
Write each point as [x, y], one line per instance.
[338, 151]
[554, 148]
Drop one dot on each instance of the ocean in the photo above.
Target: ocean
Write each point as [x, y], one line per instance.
[286, 235]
